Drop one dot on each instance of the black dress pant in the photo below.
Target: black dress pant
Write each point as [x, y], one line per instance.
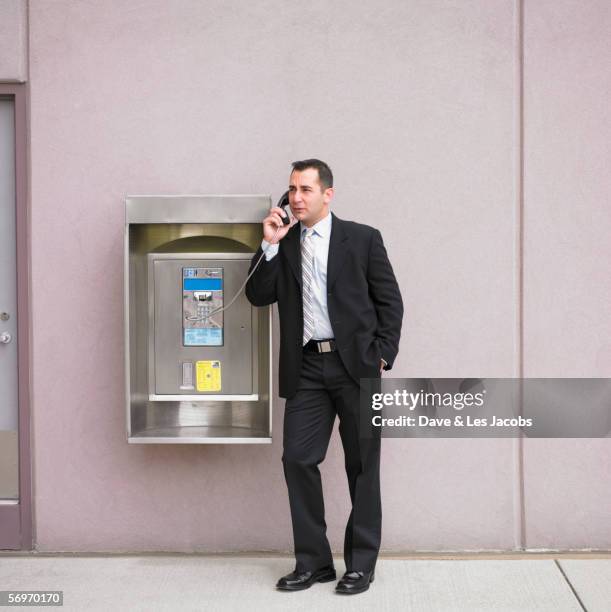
[326, 389]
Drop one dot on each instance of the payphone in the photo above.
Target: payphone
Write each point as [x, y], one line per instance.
[196, 371]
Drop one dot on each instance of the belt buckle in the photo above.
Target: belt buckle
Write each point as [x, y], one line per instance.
[324, 346]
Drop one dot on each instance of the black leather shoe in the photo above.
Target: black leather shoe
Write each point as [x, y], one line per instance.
[297, 581]
[354, 582]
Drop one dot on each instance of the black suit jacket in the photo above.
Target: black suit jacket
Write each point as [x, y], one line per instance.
[363, 300]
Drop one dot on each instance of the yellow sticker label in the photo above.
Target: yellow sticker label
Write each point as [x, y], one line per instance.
[208, 375]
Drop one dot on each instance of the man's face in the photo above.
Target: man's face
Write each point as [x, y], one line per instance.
[309, 202]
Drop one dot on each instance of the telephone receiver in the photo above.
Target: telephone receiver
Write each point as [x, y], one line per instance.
[283, 202]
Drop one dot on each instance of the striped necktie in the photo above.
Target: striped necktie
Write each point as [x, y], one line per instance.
[307, 260]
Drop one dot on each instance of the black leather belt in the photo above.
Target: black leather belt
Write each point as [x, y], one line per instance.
[320, 346]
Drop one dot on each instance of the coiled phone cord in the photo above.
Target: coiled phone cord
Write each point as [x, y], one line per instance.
[239, 292]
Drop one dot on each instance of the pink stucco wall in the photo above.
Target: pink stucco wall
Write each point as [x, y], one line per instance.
[567, 256]
[415, 106]
[13, 40]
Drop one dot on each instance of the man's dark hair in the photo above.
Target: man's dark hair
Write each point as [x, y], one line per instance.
[325, 176]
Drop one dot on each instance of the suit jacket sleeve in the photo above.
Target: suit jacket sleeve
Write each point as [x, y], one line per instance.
[261, 286]
[386, 296]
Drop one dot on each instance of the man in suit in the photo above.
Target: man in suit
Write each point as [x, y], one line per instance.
[340, 320]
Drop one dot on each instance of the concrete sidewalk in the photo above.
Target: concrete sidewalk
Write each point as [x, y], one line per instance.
[240, 582]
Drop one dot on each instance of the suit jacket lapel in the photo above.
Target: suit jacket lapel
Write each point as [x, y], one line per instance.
[291, 245]
[338, 247]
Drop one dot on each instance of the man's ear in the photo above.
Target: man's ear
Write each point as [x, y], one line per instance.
[328, 195]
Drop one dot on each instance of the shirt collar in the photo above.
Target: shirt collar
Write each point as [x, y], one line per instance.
[322, 228]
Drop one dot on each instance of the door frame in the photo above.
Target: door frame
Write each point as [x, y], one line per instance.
[16, 529]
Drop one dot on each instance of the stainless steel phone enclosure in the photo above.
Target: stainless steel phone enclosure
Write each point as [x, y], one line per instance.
[169, 398]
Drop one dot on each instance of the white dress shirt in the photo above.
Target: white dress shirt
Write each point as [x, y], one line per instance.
[320, 244]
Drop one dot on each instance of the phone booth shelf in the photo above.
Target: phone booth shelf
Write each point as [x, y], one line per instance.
[195, 373]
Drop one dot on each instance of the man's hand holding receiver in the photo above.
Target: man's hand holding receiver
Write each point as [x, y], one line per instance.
[272, 222]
